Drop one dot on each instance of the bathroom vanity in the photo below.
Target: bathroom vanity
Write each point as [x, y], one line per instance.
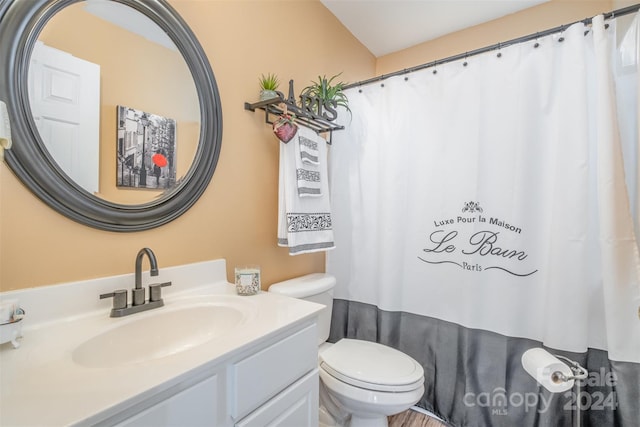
[208, 357]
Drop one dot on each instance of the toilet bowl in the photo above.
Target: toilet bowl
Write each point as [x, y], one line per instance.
[362, 382]
[370, 381]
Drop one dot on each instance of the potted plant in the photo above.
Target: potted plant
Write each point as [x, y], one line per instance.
[268, 86]
[326, 91]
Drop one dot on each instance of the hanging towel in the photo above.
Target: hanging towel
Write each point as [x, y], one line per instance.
[308, 150]
[308, 174]
[304, 223]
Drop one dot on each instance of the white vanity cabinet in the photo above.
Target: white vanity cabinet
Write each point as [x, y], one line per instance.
[278, 385]
[194, 406]
[208, 357]
[271, 383]
[296, 406]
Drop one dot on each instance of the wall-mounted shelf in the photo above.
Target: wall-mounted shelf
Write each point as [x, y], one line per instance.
[276, 107]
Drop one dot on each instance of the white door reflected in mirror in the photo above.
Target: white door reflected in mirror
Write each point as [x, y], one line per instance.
[64, 93]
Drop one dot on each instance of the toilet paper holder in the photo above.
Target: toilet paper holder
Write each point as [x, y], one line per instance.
[579, 373]
[554, 372]
[547, 369]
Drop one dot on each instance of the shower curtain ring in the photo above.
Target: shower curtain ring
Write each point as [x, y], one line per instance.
[613, 15]
[536, 45]
[465, 63]
[499, 47]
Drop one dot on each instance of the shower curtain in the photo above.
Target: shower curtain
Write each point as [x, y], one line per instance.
[485, 206]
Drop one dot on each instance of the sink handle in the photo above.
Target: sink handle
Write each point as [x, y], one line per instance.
[155, 291]
[119, 298]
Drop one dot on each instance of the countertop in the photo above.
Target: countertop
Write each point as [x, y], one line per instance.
[40, 384]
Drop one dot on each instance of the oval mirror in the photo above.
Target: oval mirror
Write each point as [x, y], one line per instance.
[115, 112]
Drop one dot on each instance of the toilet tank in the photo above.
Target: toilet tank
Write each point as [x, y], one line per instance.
[315, 287]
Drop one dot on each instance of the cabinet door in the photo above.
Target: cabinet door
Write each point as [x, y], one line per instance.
[296, 406]
[195, 406]
[264, 374]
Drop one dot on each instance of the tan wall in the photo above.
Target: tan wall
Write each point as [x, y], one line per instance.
[538, 18]
[236, 216]
[619, 4]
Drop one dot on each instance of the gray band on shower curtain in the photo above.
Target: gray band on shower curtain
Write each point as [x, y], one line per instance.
[474, 378]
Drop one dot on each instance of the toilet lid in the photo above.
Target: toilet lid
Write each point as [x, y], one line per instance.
[372, 366]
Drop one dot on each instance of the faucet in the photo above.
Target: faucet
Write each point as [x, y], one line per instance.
[138, 302]
[137, 293]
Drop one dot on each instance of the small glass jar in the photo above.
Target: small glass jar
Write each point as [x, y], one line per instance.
[247, 280]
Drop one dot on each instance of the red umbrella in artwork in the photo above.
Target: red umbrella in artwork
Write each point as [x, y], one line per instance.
[159, 160]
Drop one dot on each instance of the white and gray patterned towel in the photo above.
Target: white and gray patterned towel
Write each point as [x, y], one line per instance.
[308, 150]
[308, 175]
[304, 223]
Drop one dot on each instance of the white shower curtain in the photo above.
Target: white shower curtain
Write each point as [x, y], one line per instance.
[491, 196]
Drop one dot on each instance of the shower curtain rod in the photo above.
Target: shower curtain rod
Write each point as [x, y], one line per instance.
[497, 46]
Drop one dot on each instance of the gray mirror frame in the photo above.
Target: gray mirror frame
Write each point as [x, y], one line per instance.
[20, 24]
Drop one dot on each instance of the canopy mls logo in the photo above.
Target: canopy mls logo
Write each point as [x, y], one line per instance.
[470, 237]
[596, 393]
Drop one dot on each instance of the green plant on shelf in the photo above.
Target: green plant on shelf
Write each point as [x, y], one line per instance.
[326, 90]
[268, 85]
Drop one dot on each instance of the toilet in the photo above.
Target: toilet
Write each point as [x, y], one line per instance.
[361, 382]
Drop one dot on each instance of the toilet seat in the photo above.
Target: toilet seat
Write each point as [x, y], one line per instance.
[372, 366]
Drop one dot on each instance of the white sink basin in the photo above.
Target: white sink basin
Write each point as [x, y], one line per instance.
[164, 331]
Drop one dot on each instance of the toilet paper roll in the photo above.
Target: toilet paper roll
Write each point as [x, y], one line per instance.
[545, 367]
[5, 130]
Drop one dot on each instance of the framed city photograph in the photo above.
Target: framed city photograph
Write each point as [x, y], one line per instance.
[146, 150]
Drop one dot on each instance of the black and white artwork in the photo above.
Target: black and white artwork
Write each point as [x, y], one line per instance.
[146, 150]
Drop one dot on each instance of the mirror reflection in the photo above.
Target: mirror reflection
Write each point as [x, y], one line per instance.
[114, 102]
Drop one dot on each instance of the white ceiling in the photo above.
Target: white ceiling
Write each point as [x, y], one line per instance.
[386, 26]
[130, 20]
